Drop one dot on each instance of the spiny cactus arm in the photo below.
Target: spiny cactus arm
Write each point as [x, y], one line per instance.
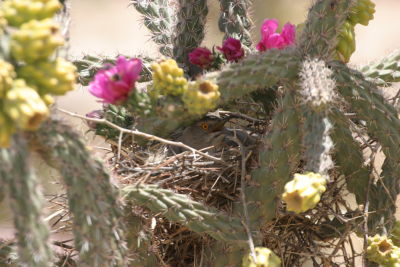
[345, 148]
[179, 208]
[317, 93]
[382, 123]
[158, 17]
[256, 71]
[277, 161]
[27, 205]
[89, 65]
[138, 239]
[189, 31]
[92, 199]
[235, 20]
[385, 71]
[323, 25]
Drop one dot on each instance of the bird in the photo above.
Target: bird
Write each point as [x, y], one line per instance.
[211, 132]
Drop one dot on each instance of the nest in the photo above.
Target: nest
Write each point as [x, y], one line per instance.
[322, 234]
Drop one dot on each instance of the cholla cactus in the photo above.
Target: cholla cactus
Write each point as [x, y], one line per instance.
[309, 151]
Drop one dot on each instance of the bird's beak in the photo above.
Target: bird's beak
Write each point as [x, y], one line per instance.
[220, 124]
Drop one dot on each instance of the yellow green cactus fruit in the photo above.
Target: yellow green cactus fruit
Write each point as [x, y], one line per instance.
[168, 78]
[3, 23]
[6, 130]
[50, 77]
[7, 74]
[346, 42]
[304, 191]
[25, 107]
[395, 234]
[382, 251]
[36, 40]
[201, 96]
[362, 12]
[18, 12]
[264, 257]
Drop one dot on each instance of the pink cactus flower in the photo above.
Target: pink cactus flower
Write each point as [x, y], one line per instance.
[201, 57]
[114, 83]
[232, 49]
[270, 39]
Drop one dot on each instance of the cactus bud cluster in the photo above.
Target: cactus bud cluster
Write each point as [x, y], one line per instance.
[263, 257]
[18, 12]
[168, 78]
[361, 13]
[382, 251]
[54, 77]
[36, 40]
[7, 74]
[26, 93]
[24, 106]
[304, 191]
[201, 96]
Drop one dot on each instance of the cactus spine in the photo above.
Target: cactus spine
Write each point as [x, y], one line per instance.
[158, 17]
[384, 72]
[92, 199]
[27, 204]
[235, 21]
[189, 31]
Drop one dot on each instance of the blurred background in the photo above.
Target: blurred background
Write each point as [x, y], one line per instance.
[111, 27]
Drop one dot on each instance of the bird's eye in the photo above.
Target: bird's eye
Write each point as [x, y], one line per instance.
[204, 126]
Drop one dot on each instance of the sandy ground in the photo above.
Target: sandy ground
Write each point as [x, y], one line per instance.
[104, 27]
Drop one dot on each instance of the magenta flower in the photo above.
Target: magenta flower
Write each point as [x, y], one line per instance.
[270, 39]
[114, 83]
[201, 57]
[232, 49]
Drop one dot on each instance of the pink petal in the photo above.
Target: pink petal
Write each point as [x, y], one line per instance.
[289, 33]
[269, 27]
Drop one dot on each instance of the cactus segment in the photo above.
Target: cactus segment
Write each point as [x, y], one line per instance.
[334, 14]
[235, 21]
[189, 31]
[277, 161]
[89, 65]
[179, 208]
[158, 17]
[384, 72]
[383, 124]
[92, 199]
[27, 204]
[345, 148]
